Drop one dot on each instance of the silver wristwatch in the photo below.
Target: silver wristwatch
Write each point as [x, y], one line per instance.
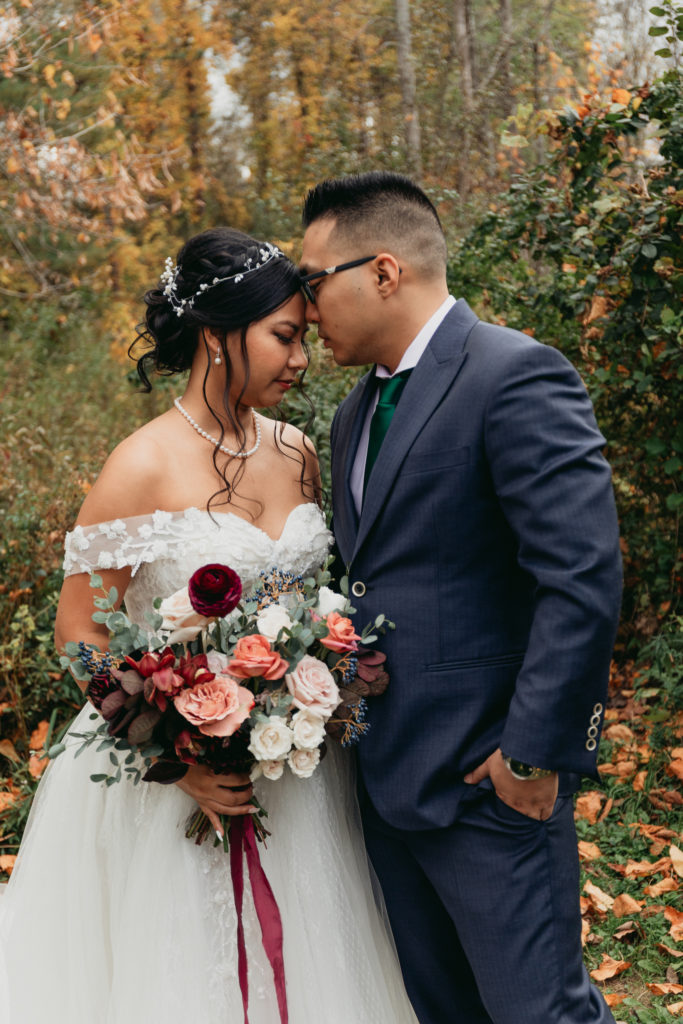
[525, 772]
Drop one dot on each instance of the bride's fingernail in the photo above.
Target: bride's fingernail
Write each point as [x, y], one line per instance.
[219, 836]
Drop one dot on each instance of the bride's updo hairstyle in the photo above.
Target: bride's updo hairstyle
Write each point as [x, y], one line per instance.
[253, 279]
[223, 280]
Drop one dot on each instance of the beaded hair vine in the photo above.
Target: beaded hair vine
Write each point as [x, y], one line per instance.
[266, 252]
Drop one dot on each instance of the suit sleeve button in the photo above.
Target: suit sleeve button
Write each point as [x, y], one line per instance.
[591, 744]
[593, 731]
[597, 710]
[358, 589]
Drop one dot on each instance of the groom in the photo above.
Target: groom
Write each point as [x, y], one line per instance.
[473, 506]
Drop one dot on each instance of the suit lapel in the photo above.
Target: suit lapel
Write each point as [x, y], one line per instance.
[352, 415]
[430, 380]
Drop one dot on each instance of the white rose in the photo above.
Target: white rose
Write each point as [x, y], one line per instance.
[271, 620]
[304, 762]
[271, 740]
[179, 618]
[217, 662]
[329, 601]
[308, 729]
[273, 769]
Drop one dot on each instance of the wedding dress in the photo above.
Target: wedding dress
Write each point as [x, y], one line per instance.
[112, 916]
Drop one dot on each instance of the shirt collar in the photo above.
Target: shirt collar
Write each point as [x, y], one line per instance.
[412, 354]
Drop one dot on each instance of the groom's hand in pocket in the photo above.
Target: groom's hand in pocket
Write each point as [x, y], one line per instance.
[533, 797]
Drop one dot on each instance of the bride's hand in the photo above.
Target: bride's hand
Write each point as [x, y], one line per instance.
[217, 794]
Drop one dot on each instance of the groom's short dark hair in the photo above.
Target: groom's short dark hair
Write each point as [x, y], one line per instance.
[381, 210]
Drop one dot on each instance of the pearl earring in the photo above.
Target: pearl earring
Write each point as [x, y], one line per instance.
[218, 359]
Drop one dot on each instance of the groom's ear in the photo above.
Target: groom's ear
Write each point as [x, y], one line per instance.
[387, 273]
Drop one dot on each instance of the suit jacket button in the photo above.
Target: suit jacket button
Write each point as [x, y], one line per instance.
[358, 589]
[591, 744]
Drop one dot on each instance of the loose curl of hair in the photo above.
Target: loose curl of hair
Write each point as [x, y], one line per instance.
[171, 340]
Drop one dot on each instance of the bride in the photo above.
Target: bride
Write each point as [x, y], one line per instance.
[112, 916]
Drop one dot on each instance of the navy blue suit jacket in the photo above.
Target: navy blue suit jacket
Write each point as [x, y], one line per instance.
[489, 535]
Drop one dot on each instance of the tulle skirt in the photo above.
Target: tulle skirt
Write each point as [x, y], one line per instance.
[112, 916]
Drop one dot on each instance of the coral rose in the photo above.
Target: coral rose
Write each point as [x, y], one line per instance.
[253, 656]
[214, 590]
[312, 687]
[218, 707]
[341, 635]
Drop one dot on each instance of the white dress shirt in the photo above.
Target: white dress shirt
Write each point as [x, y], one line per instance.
[409, 361]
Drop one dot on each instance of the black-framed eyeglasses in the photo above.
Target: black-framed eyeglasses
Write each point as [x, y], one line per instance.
[306, 278]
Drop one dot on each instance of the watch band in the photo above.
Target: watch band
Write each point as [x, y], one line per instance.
[524, 772]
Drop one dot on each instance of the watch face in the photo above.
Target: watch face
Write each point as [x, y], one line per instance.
[519, 768]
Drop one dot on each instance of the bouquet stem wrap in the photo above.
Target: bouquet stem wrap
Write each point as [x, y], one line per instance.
[243, 842]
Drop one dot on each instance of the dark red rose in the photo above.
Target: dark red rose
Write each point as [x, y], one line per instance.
[214, 590]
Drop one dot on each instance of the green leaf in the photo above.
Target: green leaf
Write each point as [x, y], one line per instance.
[99, 617]
[659, 12]
[657, 30]
[56, 749]
[664, 52]
[95, 581]
[649, 251]
[113, 596]
[344, 585]
[99, 778]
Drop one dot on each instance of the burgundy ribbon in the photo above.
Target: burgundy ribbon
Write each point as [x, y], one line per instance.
[243, 841]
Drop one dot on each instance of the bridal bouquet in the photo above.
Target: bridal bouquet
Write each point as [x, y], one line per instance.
[239, 685]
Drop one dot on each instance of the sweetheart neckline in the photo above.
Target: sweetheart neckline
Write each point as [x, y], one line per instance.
[178, 513]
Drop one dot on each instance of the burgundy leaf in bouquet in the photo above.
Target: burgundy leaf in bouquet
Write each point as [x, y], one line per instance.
[214, 590]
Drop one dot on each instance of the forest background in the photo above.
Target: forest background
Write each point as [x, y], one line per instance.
[550, 136]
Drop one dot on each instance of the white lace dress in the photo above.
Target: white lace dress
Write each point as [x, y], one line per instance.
[112, 916]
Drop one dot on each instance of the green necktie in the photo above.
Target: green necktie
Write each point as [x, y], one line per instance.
[390, 389]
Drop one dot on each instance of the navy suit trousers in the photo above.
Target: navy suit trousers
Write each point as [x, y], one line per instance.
[485, 915]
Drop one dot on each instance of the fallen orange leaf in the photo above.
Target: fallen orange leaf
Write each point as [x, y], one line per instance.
[676, 855]
[588, 851]
[639, 781]
[6, 801]
[675, 918]
[665, 988]
[609, 968]
[675, 1009]
[667, 949]
[8, 751]
[644, 868]
[676, 768]
[601, 901]
[37, 765]
[614, 998]
[619, 733]
[625, 905]
[666, 885]
[7, 861]
[38, 736]
[588, 806]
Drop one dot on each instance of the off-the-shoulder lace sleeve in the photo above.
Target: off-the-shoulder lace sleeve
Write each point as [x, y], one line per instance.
[127, 542]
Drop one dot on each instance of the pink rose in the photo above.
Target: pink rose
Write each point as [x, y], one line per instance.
[218, 707]
[312, 687]
[341, 635]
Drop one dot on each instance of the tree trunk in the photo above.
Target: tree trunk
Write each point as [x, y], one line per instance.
[464, 48]
[408, 91]
[505, 78]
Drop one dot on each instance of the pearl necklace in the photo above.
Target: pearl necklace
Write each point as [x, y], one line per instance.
[214, 440]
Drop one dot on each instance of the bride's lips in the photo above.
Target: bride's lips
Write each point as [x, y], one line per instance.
[286, 384]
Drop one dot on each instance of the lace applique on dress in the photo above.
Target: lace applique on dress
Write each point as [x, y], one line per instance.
[165, 548]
